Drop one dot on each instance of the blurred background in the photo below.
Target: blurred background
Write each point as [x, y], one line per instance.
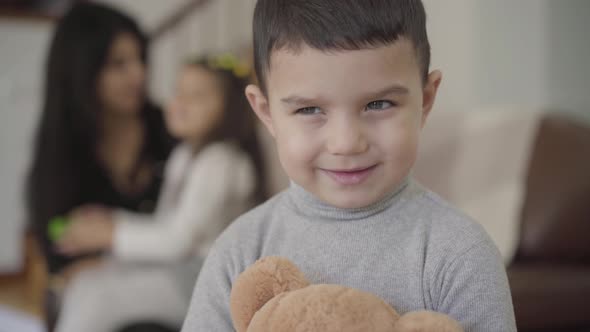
[509, 142]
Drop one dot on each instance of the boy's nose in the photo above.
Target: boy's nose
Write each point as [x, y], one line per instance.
[346, 138]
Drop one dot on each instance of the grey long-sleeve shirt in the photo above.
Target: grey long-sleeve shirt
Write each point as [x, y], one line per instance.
[411, 249]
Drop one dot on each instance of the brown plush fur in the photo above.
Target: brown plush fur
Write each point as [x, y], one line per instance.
[273, 295]
[264, 280]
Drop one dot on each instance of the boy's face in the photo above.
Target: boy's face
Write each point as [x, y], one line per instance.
[346, 123]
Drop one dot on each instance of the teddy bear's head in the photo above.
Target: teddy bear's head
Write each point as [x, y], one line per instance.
[273, 295]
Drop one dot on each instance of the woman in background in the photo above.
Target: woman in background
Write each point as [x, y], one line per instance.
[100, 139]
[213, 176]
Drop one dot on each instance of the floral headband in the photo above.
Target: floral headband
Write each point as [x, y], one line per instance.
[229, 62]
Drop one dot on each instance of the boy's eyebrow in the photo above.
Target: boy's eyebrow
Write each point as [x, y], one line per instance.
[297, 100]
[397, 89]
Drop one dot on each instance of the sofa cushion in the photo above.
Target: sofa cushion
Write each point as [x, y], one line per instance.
[556, 209]
[550, 296]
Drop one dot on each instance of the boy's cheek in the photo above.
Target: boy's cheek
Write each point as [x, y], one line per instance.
[395, 129]
[296, 150]
[298, 147]
[402, 154]
[397, 145]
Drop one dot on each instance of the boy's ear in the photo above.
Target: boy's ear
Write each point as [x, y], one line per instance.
[259, 104]
[429, 95]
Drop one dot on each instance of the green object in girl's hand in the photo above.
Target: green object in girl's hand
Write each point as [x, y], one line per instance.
[57, 227]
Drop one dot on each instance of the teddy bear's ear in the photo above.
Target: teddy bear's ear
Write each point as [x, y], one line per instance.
[261, 282]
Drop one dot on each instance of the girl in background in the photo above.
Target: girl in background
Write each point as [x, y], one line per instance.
[213, 176]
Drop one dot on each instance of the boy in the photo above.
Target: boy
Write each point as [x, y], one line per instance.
[345, 90]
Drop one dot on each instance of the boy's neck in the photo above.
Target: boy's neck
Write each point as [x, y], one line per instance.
[313, 206]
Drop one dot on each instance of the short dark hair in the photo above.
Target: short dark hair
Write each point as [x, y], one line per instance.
[336, 25]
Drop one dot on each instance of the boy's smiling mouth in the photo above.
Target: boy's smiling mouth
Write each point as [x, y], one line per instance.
[351, 176]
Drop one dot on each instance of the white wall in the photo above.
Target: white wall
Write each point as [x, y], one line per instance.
[528, 53]
[568, 53]
[22, 52]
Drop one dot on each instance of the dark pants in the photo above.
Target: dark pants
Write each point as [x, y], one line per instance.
[148, 327]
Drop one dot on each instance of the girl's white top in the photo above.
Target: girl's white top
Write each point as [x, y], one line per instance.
[202, 193]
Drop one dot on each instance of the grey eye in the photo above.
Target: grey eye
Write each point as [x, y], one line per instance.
[379, 105]
[309, 110]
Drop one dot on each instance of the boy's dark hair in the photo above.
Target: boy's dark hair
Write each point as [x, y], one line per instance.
[336, 25]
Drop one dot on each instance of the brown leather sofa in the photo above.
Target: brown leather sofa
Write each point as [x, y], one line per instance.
[550, 274]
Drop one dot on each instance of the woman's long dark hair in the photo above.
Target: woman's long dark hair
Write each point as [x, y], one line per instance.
[238, 123]
[67, 136]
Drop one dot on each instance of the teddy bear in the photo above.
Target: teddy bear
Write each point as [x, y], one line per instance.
[273, 295]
